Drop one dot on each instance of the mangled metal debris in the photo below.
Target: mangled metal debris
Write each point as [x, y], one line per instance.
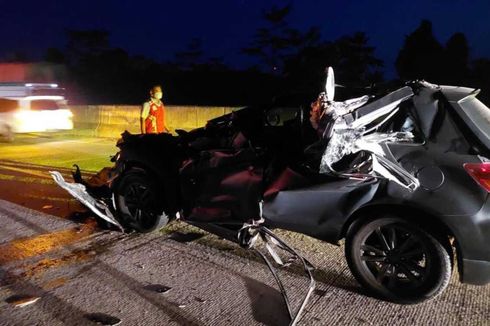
[248, 236]
[79, 191]
[159, 288]
[355, 129]
[22, 300]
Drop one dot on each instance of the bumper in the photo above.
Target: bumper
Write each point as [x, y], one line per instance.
[473, 237]
[475, 272]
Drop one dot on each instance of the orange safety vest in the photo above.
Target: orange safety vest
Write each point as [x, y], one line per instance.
[156, 124]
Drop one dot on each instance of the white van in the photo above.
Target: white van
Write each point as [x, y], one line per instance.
[31, 107]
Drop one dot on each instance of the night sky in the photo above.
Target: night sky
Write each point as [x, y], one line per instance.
[158, 29]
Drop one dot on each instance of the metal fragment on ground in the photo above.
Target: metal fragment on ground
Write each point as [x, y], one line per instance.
[103, 319]
[157, 288]
[22, 300]
[199, 300]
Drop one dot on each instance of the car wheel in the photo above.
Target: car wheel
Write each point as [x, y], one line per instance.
[8, 135]
[398, 260]
[139, 203]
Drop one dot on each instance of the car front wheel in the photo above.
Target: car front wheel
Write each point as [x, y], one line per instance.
[139, 203]
[398, 260]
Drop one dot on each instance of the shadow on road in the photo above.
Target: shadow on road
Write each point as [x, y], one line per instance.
[268, 306]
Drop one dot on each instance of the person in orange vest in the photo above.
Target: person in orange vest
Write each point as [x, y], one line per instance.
[153, 113]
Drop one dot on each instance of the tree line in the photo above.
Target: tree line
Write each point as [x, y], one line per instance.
[288, 60]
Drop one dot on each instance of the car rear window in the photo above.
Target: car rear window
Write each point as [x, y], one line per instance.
[44, 105]
[7, 105]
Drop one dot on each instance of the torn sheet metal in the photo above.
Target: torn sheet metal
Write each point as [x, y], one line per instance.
[79, 191]
[247, 237]
[394, 172]
[355, 129]
[343, 108]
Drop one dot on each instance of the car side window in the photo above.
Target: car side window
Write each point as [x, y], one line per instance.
[38, 105]
[7, 105]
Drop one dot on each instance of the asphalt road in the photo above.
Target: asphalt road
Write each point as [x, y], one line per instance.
[52, 250]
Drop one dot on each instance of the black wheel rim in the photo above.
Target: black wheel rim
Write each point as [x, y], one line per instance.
[140, 203]
[396, 257]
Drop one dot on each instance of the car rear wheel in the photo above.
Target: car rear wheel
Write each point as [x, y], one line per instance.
[398, 260]
[139, 203]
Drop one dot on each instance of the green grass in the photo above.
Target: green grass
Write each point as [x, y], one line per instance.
[60, 150]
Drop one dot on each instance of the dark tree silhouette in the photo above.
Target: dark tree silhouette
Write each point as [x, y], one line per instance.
[191, 56]
[86, 43]
[54, 55]
[420, 56]
[456, 59]
[357, 62]
[480, 77]
[17, 56]
[277, 41]
[351, 56]
[102, 74]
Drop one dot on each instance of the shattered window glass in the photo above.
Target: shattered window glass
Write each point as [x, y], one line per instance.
[340, 144]
[359, 128]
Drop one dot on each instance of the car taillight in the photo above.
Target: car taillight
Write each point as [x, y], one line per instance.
[480, 172]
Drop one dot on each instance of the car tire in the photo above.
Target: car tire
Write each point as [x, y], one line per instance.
[398, 260]
[139, 202]
[8, 136]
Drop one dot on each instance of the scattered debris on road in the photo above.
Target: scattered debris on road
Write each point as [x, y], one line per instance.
[22, 300]
[199, 300]
[103, 319]
[157, 288]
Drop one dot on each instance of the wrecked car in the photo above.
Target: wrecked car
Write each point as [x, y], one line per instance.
[401, 174]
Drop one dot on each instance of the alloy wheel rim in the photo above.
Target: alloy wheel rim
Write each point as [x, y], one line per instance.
[395, 257]
[139, 202]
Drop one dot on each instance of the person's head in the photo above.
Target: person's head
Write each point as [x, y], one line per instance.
[156, 92]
